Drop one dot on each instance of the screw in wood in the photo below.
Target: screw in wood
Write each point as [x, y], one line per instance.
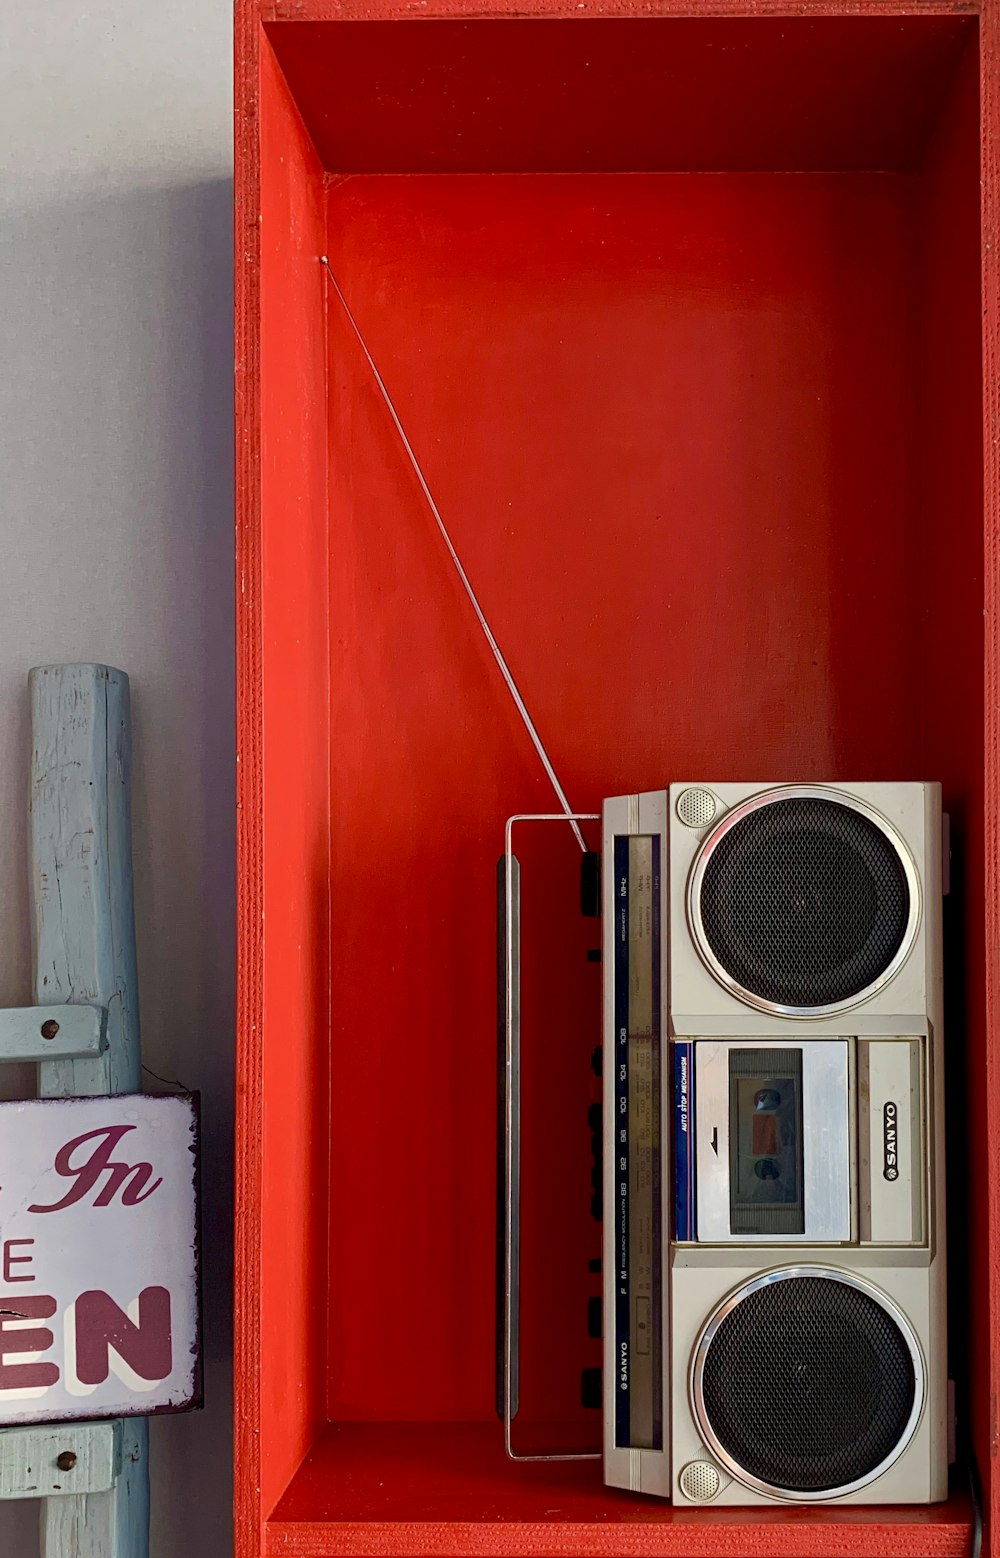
[50, 1028]
[66, 1459]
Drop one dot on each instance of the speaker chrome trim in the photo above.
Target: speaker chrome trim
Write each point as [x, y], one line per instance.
[697, 1371]
[768, 798]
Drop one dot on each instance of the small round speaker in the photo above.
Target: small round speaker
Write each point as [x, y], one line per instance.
[807, 1383]
[696, 807]
[701, 1481]
[803, 901]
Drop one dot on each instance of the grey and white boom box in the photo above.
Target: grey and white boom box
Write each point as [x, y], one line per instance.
[774, 1265]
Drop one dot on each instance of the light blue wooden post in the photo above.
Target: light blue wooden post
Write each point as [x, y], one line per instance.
[84, 959]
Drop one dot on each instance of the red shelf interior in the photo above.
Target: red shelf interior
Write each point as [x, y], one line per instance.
[447, 1488]
[682, 318]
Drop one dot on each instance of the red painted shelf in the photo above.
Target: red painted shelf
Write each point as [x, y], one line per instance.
[690, 312]
[447, 1488]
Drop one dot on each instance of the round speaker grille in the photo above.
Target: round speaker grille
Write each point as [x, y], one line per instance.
[806, 1384]
[700, 1481]
[804, 901]
[696, 808]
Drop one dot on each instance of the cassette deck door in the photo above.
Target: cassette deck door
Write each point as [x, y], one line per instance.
[773, 1134]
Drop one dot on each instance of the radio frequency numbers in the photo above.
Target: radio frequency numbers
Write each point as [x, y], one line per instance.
[636, 1162]
[643, 1128]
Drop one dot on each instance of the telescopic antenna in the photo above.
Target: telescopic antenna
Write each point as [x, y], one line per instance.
[488, 633]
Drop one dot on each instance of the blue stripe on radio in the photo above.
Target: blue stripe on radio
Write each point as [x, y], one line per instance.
[684, 1169]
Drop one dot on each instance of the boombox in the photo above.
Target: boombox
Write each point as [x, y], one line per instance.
[774, 1264]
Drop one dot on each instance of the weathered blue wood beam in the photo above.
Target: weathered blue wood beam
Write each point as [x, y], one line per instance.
[52, 1461]
[52, 1032]
[84, 953]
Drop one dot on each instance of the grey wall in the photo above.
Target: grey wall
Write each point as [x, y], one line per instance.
[116, 545]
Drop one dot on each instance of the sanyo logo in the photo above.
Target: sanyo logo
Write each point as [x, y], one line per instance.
[890, 1158]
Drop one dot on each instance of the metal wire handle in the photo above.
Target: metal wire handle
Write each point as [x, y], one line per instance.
[510, 932]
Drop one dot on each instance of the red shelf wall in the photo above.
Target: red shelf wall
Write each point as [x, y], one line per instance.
[690, 312]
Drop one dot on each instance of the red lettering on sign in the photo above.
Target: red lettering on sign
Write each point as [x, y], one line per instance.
[129, 1178]
[36, 1338]
[100, 1325]
[10, 1260]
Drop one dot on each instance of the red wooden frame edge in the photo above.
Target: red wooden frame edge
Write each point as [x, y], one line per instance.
[249, 822]
[536, 1540]
[492, 10]
[990, 174]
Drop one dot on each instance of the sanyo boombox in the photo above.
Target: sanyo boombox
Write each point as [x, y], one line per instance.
[774, 1264]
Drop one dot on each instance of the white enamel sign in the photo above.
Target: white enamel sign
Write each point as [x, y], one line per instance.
[99, 1313]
